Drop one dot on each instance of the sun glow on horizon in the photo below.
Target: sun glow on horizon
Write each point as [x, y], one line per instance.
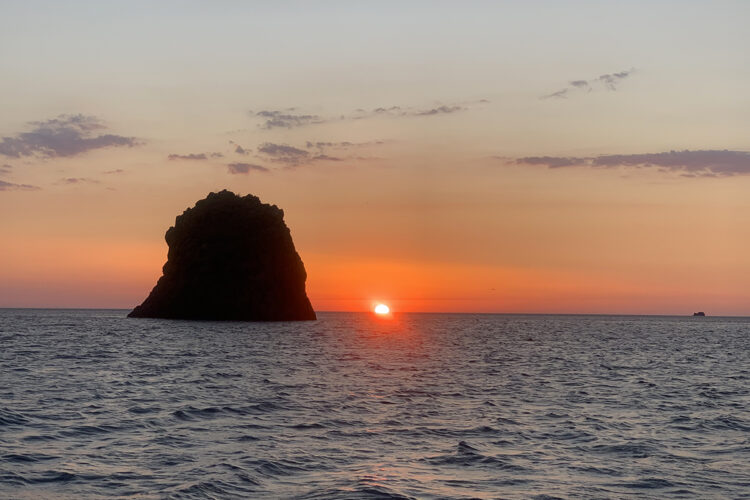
[382, 309]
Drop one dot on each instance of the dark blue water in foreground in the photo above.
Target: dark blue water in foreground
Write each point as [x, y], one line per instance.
[95, 405]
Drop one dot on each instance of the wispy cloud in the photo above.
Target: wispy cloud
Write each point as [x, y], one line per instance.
[194, 156]
[324, 157]
[191, 156]
[9, 186]
[553, 161]
[608, 81]
[5, 168]
[697, 163]
[612, 80]
[244, 168]
[288, 156]
[401, 111]
[328, 144]
[77, 180]
[560, 94]
[321, 146]
[440, 110]
[580, 84]
[66, 135]
[291, 156]
[283, 153]
[286, 119]
[290, 118]
[116, 171]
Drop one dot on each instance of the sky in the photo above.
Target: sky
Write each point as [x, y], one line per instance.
[541, 157]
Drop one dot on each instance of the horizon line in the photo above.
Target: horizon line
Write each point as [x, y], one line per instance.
[488, 313]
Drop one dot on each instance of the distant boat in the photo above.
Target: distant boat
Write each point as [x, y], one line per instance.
[699, 313]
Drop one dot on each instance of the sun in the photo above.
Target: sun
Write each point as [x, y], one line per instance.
[382, 309]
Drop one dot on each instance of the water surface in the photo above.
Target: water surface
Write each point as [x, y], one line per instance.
[93, 404]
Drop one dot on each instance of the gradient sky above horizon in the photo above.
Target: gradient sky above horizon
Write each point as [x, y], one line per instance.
[573, 157]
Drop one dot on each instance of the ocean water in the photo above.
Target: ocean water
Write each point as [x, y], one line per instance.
[94, 405]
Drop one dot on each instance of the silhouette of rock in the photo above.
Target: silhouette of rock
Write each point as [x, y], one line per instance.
[230, 258]
[699, 313]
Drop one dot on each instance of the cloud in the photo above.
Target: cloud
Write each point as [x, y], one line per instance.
[5, 168]
[608, 81]
[560, 94]
[399, 111]
[241, 151]
[244, 168]
[117, 171]
[341, 145]
[285, 119]
[611, 81]
[77, 180]
[393, 110]
[292, 156]
[324, 157]
[283, 153]
[324, 144]
[9, 186]
[194, 156]
[440, 110]
[697, 163]
[191, 156]
[552, 161]
[64, 136]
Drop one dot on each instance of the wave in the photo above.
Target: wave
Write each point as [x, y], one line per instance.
[467, 455]
[369, 492]
[650, 483]
[191, 414]
[9, 417]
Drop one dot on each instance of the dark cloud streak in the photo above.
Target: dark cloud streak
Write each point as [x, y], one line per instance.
[78, 180]
[696, 163]
[609, 81]
[9, 186]
[194, 156]
[244, 168]
[552, 161]
[440, 110]
[286, 119]
[324, 157]
[560, 94]
[191, 156]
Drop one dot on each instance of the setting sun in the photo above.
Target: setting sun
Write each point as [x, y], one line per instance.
[382, 309]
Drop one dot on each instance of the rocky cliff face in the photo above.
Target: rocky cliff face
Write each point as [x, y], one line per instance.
[230, 258]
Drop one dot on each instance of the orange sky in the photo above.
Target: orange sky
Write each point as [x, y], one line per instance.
[435, 169]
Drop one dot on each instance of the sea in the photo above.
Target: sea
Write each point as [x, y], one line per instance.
[427, 406]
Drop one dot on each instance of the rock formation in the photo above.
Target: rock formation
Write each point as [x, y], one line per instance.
[230, 258]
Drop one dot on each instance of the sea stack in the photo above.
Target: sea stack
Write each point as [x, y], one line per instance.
[230, 258]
